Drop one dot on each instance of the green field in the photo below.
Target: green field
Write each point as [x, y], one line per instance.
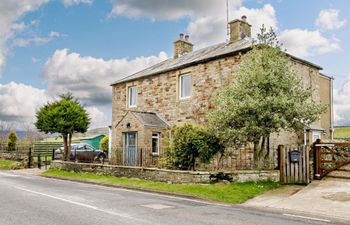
[342, 132]
[228, 193]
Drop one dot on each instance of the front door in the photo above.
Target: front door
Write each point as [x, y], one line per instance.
[130, 151]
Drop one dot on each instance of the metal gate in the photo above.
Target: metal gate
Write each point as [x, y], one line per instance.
[329, 157]
[294, 164]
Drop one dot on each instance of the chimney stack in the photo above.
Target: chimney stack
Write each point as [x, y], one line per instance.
[239, 29]
[182, 46]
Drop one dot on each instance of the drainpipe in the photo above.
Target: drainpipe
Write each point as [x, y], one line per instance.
[109, 142]
[304, 137]
[331, 109]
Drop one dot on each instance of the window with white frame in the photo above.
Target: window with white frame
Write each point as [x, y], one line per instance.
[155, 143]
[132, 92]
[185, 86]
[316, 135]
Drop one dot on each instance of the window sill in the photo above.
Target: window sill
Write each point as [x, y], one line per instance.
[154, 154]
[132, 106]
[185, 98]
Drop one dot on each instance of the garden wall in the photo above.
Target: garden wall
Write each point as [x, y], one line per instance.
[13, 156]
[173, 176]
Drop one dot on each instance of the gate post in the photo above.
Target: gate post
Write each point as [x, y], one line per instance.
[317, 160]
[281, 162]
[29, 157]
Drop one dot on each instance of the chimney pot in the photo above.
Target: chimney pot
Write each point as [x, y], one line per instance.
[187, 37]
[181, 36]
[244, 18]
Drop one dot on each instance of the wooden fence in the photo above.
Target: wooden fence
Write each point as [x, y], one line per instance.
[294, 165]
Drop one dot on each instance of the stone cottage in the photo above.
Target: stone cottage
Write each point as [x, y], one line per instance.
[180, 89]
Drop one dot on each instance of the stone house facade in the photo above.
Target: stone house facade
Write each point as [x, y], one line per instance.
[180, 89]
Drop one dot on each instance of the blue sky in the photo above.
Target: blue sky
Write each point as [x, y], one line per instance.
[51, 46]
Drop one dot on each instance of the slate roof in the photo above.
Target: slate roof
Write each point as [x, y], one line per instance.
[198, 56]
[150, 119]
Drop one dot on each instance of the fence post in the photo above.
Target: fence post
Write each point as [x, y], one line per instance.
[317, 160]
[45, 162]
[141, 158]
[39, 161]
[53, 155]
[281, 162]
[29, 157]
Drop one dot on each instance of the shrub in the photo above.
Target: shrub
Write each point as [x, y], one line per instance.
[188, 143]
[12, 140]
[104, 144]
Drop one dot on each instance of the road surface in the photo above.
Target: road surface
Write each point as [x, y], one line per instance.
[33, 200]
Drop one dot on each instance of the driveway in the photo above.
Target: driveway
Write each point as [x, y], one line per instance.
[328, 197]
[33, 200]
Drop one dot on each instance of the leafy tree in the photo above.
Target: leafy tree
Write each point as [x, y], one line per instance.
[266, 97]
[12, 140]
[104, 144]
[64, 116]
[188, 143]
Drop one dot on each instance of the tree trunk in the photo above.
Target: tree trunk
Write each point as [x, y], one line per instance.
[65, 145]
[70, 144]
[256, 153]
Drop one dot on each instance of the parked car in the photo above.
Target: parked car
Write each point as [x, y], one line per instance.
[81, 152]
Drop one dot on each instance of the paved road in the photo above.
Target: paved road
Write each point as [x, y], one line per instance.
[32, 200]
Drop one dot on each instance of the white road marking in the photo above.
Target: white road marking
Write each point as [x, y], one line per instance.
[306, 217]
[158, 206]
[8, 174]
[123, 215]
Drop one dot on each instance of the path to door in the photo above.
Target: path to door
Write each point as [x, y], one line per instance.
[328, 197]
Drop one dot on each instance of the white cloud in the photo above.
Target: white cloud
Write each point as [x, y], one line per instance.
[303, 43]
[98, 118]
[19, 102]
[329, 20]
[76, 2]
[342, 104]
[207, 17]
[208, 30]
[10, 12]
[170, 10]
[22, 42]
[88, 78]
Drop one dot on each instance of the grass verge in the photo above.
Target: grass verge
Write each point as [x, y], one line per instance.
[7, 164]
[227, 193]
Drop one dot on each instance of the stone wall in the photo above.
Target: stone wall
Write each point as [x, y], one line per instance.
[162, 175]
[13, 156]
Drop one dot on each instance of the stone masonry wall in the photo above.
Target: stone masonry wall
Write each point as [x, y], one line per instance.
[159, 93]
[162, 175]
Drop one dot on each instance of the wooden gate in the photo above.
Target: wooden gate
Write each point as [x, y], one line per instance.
[329, 157]
[294, 164]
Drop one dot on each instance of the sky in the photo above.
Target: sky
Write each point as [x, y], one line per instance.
[49, 47]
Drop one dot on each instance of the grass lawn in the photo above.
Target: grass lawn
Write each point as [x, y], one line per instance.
[6, 164]
[342, 132]
[226, 193]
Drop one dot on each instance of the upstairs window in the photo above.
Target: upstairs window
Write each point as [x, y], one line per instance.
[185, 86]
[132, 96]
